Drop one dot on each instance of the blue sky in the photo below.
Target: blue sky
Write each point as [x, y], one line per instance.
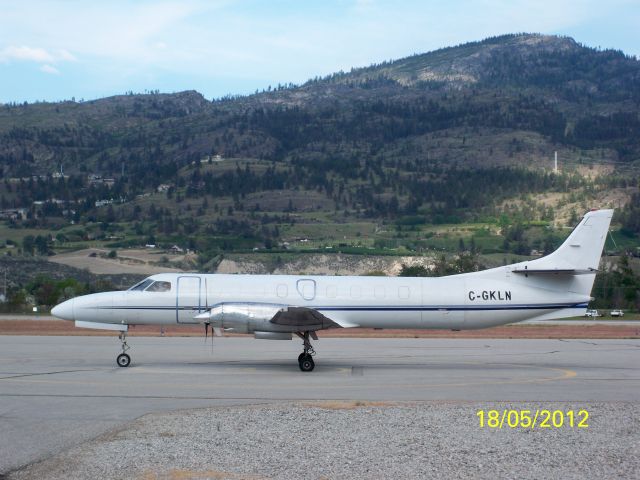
[55, 50]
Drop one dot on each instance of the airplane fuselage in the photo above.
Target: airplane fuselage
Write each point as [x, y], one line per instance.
[466, 301]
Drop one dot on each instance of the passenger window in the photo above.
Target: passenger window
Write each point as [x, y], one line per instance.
[403, 293]
[142, 285]
[282, 290]
[159, 287]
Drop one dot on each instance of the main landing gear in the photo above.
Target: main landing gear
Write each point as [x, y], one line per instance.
[305, 359]
[123, 359]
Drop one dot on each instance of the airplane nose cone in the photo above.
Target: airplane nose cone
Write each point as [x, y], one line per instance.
[64, 310]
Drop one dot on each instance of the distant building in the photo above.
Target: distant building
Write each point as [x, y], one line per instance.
[95, 179]
[212, 158]
[13, 214]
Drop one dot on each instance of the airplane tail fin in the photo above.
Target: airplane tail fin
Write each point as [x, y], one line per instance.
[582, 249]
[578, 257]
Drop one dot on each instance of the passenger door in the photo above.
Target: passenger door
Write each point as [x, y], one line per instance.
[189, 299]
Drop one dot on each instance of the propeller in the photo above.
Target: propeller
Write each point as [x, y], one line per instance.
[215, 331]
[206, 334]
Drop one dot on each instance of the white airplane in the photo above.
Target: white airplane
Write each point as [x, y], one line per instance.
[275, 307]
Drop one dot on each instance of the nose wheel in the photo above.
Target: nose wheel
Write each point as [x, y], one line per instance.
[305, 359]
[123, 360]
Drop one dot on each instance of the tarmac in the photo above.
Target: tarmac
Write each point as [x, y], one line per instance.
[58, 392]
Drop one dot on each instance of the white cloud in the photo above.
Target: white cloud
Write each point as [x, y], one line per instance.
[46, 68]
[13, 52]
[65, 55]
[25, 53]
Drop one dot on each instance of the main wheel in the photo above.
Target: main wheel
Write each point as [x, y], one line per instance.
[123, 360]
[301, 356]
[307, 364]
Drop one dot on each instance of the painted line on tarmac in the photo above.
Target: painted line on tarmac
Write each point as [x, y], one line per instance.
[42, 373]
[561, 374]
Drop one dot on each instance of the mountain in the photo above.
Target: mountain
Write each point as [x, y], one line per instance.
[459, 134]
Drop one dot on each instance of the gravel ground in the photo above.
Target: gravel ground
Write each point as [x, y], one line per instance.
[353, 440]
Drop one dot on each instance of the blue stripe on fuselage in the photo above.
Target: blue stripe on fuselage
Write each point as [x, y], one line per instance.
[373, 308]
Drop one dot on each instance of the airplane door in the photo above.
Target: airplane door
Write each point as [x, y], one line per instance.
[188, 299]
[306, 288]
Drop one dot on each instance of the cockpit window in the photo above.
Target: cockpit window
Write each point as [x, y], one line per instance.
[159, 287]
[142, 285]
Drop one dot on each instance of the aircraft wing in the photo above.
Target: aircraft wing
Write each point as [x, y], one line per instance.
[303, 318]
[298, 318]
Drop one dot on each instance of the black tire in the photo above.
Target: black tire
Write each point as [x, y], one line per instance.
[307, 364]
[123, 360]
[301, 356]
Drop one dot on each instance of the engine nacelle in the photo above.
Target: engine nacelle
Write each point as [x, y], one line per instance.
[247, 317]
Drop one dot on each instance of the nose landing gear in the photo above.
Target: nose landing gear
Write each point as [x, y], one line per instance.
[123, 359]
[305, 359]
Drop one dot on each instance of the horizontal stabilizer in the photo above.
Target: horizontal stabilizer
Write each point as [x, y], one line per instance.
[555, 271]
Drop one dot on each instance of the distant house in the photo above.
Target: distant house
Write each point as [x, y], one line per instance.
[51, 200]
[150, 245]
[211, 158]
[13, 214]
[95, 179]
[176, 249]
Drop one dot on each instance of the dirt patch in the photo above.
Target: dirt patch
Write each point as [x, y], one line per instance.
[62, 327]
[319, 264]
[595, 170]
[99, 265]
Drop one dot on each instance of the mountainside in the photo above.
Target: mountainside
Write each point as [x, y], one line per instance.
[572, 95]
[465, 133]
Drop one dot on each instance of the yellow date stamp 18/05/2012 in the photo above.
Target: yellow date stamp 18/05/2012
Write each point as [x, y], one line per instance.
[532, 419]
